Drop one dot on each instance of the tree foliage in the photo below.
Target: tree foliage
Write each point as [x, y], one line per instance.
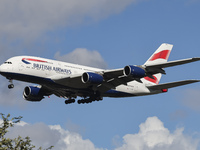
[18, 143]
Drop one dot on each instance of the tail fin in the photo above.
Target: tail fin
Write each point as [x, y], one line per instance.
[161, 55]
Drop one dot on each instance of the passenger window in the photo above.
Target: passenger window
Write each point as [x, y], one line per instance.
[8, 62]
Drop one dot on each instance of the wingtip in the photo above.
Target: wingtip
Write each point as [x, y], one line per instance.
[194, 80]
[196, 58]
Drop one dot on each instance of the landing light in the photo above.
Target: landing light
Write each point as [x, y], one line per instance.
[164, 90]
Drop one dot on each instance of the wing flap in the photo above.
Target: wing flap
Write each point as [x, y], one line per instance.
[172, 84]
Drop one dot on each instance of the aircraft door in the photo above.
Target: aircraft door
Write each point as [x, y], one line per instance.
[21, 67]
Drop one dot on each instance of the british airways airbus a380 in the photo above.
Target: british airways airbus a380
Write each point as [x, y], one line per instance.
[91, 84]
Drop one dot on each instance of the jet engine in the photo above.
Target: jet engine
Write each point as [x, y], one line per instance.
[93, 78]
[32, 93]
[134, 71]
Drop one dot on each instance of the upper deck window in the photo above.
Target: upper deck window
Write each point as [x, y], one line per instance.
[7, 62]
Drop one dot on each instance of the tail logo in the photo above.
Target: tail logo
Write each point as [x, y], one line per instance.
[155, 80]
[161, 55]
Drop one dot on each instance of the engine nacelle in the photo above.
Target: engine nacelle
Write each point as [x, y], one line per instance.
[134, 71]
[32, 93]
[93, 78]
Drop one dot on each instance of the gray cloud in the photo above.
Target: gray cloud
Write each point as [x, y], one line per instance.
[24, 25]
[30, 19]
[53, 135]
[83, 56]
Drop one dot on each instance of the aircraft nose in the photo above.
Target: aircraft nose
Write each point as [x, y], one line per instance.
[2, 68]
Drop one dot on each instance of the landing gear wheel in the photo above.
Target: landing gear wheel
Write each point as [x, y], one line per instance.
[10, 86]
[66, 102]
[69, 101]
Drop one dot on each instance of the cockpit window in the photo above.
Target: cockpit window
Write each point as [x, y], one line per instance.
[7, 62]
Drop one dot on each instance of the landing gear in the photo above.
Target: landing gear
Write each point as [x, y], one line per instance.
[86, 100]
[11, 85]
[89, 100]
[69, 101]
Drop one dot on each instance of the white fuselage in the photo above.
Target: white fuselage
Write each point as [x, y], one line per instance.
[37, 70]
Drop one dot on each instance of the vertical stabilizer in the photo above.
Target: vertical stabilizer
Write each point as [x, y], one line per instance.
[161, 55]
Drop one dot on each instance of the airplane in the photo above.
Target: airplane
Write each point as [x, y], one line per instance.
[69, 81]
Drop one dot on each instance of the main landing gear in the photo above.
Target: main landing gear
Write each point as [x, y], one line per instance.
[82, 101]
[69, 101]
[88, 100]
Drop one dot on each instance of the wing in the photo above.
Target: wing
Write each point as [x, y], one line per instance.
[171, 84]
[158, 67]
[75, 83]
[117, 76]
[114, 78]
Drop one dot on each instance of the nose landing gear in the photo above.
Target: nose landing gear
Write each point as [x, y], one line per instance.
[11, 85]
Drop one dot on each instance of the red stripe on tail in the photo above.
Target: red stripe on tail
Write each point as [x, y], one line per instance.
[155, 80]
[161, 55]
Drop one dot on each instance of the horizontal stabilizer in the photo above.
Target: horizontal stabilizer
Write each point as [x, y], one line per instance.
[171, 84]
[174, 63]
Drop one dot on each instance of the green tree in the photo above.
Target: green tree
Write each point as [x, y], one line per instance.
[18, 143]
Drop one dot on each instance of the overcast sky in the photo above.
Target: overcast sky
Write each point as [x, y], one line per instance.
[106, 34]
